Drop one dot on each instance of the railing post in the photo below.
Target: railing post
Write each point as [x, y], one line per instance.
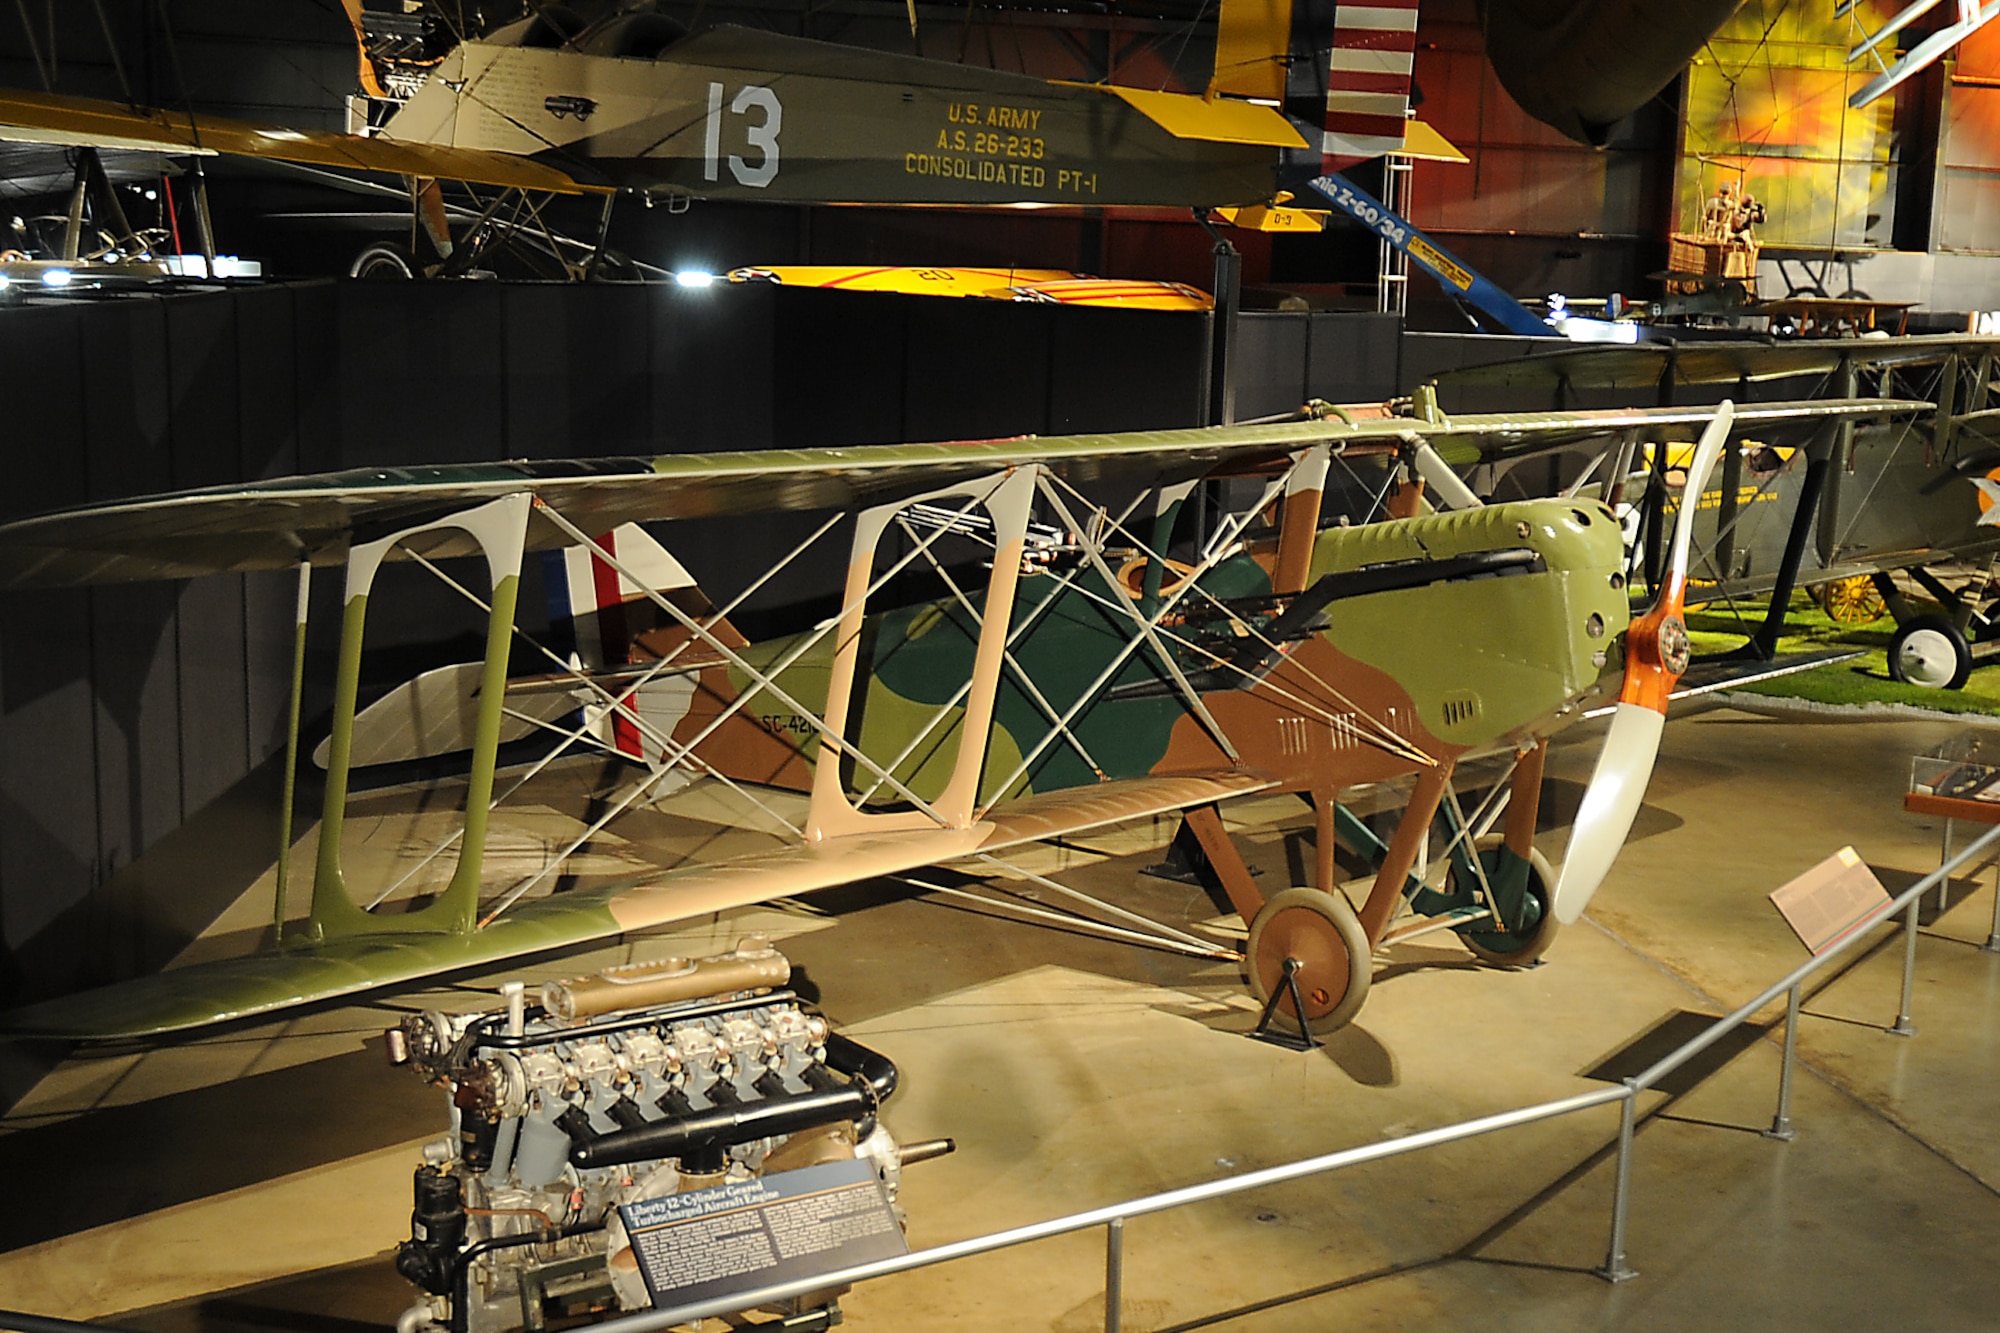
[1781, 1123]
[1944, 881]
[1613, 1269]
[1903, 1027]
[1992, 944]
[1114, 1273]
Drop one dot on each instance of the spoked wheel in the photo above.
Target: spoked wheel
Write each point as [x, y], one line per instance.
[1930, 653]
[1510, 948]
[1322, 933]
[1854, 601]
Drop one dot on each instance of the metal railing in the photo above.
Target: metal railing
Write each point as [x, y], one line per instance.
[1112, 1217]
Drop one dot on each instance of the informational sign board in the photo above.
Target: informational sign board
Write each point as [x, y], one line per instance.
[757, 1233]
[1829, 902]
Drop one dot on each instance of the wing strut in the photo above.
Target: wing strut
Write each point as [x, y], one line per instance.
[1014, 635]
[1022, 680]
[500, 527]
[289, 798]
[1298, 526]
[1763, 645]
[766, 680]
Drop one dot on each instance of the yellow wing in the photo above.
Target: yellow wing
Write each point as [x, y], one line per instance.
[50, 118]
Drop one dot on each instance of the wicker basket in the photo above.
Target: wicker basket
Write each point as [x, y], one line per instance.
[1734, 260]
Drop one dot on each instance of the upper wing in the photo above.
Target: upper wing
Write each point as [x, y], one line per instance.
[54, 119]
[238, 988]
[1645, 365]
[276, 524]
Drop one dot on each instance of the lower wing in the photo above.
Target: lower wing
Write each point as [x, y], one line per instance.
[207, 993]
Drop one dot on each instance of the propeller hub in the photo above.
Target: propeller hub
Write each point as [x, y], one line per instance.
[1657, 652]
[1661, 644]
[1674, 649]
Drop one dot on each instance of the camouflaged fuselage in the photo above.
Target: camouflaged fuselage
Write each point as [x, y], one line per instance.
[1448, 664]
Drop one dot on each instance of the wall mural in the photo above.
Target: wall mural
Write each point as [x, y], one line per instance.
[1767, 110]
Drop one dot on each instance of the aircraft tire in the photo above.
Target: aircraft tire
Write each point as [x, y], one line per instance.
[385, 260]
[1931, 653]
[1504, 950]
[1323, 933]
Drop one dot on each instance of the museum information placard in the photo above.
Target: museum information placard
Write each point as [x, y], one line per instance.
[754, 1233]
[1829, 902]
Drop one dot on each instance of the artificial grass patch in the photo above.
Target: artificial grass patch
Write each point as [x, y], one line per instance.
[1718, 627]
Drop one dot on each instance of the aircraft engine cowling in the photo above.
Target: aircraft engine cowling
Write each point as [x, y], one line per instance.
[708, 1076]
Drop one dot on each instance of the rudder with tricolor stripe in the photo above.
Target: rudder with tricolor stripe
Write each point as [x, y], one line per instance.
[602, 614]
[1345, 67]
[1368, 81]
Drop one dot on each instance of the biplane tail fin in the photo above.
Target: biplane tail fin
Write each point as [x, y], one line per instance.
[1342, 67]
[601, 616]
[602, 612]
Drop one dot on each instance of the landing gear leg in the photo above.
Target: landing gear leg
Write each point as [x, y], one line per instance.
[1518, 880]
[1303, 1039]
[1308, 959]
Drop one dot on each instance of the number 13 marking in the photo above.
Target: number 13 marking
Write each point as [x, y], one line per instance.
[762, 137]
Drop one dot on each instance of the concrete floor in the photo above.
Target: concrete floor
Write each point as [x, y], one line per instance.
[258, 1179]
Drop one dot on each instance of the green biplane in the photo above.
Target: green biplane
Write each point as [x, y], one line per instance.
[1063, 674]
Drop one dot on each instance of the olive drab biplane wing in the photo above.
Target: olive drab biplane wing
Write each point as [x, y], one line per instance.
[1066, 675]
[1841, 516]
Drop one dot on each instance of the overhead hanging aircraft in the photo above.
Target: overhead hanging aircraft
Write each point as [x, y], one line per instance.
[635, 101]
[632, 100]
[1060, 674]
[1909, 496]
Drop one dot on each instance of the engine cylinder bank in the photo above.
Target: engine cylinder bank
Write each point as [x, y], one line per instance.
[645, 1081]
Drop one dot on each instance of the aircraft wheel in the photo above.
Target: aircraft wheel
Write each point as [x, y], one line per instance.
[1930, 653]
[387, 260]
[1505, 948]
[1854, 601]
[1321, 931]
